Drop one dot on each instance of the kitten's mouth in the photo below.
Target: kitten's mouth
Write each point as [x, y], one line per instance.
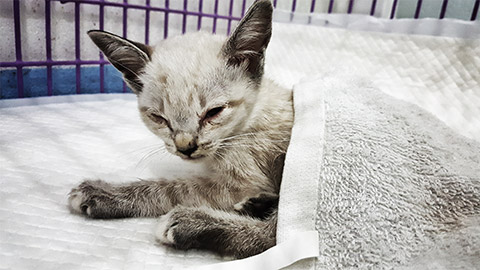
[184, 157]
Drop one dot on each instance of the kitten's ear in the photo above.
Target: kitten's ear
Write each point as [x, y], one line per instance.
[247, 44]
[127, 56]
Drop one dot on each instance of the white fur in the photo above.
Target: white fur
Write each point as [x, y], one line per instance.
[164, 232]
[75, 200]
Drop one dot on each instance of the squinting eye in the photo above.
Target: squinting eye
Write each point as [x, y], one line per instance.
[157, 118]
[211, 114]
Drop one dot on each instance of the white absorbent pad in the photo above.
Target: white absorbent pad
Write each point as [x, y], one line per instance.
[439, 74]
[47, 149]
[385, 184]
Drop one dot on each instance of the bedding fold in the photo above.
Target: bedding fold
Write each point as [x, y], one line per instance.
[395, 187]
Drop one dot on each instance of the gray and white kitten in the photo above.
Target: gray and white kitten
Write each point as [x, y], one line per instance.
[206, 98]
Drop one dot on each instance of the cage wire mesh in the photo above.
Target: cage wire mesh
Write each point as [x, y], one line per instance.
[45, 50]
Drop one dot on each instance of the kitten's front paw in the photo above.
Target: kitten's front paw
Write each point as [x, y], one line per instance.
[165, 230]
[91, 198]
[260, 206]
[76, 200]
[181, 228]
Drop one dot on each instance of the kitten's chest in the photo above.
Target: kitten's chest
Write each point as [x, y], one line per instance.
[252, 171]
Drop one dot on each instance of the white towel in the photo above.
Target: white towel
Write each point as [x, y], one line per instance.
[384, 183]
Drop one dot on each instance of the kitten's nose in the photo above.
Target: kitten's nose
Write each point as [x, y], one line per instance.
[188, 151]
[185, 143]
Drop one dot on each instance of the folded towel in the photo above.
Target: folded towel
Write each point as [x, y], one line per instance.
[385, 184]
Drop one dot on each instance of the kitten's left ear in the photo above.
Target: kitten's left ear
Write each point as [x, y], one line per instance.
[247, 44]
[129, 57]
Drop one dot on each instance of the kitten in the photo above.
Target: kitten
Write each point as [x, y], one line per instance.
[206, 98]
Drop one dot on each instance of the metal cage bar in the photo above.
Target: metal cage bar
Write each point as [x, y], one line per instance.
[244, 6]
[418, 9]
[147, 22]
[330, 6]
[101, 22]
[350, 6]
[184, 17]
[372, 8]
[215, 12]
[77, 48]
[18, 47]
[165, 25]
[443, 10]
[124, 32]
[48, 45]
[394, 8]
[475, 10]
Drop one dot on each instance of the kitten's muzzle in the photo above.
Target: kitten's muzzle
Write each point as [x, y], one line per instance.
[186, 143]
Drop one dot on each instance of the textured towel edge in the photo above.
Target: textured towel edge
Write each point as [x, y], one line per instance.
[277, 257]
[299, 189]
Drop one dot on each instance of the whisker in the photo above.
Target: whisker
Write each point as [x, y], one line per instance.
[148, 147]
[271, 147]
[254, 134]
[149, 155]
[256, 142]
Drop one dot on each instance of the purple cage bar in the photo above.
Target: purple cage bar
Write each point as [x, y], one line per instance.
[49, 63]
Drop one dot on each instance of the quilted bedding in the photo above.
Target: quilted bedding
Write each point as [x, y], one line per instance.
[47, 145]
[46, 150]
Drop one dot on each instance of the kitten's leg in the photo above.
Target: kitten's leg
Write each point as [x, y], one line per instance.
[222, 232]
[98, 199]
[260, 206]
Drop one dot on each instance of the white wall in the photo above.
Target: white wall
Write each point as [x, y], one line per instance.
[63, 39]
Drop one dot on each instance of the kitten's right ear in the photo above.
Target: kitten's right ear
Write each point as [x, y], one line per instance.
[247, 44]
[127, 56]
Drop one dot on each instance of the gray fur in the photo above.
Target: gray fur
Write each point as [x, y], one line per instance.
[221, 232]
[127, 56]
[205, 97]
[250, 39]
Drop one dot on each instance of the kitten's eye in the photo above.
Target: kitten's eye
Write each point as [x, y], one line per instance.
[157, 118]
[213, 113]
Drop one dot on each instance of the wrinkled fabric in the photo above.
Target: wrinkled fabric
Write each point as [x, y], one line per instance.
[395, 187]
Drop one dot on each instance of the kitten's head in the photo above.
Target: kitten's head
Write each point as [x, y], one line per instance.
[196, 90]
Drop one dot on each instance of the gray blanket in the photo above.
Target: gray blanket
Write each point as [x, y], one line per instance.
[395, 187]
